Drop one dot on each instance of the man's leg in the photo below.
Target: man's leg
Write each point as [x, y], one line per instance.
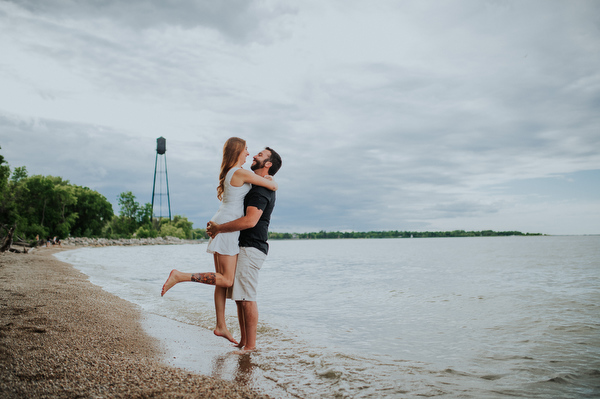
[250, 312]
[250, 261]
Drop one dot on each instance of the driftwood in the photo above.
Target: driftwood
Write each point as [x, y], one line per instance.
[8, 240]
[24, 243]
[12, 240]
[24, 251]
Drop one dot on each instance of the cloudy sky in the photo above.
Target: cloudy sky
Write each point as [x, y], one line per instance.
[389, 115]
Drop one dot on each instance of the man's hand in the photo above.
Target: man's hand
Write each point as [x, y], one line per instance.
[212, 229]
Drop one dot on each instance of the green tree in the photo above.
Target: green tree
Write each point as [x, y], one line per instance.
[144, 214]
[146, 231]
[198, 234]
[146, 227]
[7, 203]
[169, 230]
[126, 224]
[93, 212]
[181, 222]
[132, 219]
[18, 174]
[178, 227]
[128, 205]
[42, 206]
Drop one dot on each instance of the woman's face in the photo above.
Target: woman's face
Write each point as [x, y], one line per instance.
[243, 155]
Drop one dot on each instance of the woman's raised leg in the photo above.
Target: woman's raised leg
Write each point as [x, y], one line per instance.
[175, 277]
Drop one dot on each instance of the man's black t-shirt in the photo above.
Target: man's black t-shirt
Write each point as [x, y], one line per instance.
[263, 199]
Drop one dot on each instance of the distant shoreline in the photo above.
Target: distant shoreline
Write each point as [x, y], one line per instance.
[396, 234]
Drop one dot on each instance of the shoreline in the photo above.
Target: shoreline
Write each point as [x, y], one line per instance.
[62, 336]
[78, 242]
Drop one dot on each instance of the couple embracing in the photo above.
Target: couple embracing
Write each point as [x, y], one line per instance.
[238, 237]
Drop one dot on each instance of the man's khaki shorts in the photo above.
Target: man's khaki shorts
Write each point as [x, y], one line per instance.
[250, 260]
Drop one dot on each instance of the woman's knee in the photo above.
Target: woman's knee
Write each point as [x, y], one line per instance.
[225, 280]
[229, 281]
[228, 265]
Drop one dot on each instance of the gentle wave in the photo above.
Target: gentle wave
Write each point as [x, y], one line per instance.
[480, 318]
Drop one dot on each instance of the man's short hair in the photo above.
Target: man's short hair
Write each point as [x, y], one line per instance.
[275, 160]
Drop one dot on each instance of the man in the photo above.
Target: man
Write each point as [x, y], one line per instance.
[253, 227]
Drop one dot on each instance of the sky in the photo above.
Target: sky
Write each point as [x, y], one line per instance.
[388, 115]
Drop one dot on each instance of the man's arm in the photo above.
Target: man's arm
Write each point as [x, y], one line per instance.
[252, 217]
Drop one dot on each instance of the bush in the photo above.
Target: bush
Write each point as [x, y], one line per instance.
[146, 232]
[170, 230]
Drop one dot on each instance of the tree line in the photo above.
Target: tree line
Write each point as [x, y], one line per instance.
[48, 206]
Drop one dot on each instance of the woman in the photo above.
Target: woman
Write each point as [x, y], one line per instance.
[234, 184]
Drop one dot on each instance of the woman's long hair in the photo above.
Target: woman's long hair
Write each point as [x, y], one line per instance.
[231, 153]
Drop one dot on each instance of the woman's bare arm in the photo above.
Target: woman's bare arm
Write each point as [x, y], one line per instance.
[242, 176]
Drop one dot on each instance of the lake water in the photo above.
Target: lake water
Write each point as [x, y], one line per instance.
[481, 317]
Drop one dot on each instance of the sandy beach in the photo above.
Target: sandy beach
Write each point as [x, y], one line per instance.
[63, 337]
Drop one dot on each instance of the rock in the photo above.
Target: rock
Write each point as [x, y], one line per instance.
[104, 242]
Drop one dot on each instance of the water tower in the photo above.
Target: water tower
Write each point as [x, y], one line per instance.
[160, 170]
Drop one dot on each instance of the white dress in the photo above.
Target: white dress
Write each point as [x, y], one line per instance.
[232, 207]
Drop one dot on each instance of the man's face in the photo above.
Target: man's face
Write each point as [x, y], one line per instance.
[260, 159]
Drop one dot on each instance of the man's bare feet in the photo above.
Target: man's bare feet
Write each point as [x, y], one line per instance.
[225, 334]
[174, 278]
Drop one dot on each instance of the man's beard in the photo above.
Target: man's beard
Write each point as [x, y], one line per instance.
[258, 165]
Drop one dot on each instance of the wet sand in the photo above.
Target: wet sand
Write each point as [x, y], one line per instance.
[63, 337]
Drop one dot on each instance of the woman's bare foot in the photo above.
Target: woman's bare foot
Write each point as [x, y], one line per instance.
[174, 278]
[225, 334]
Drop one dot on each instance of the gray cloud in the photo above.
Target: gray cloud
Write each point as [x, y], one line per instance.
[238, 20]
[418, 117]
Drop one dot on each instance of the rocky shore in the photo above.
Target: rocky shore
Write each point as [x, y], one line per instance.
[104, 242]
[63, 337]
